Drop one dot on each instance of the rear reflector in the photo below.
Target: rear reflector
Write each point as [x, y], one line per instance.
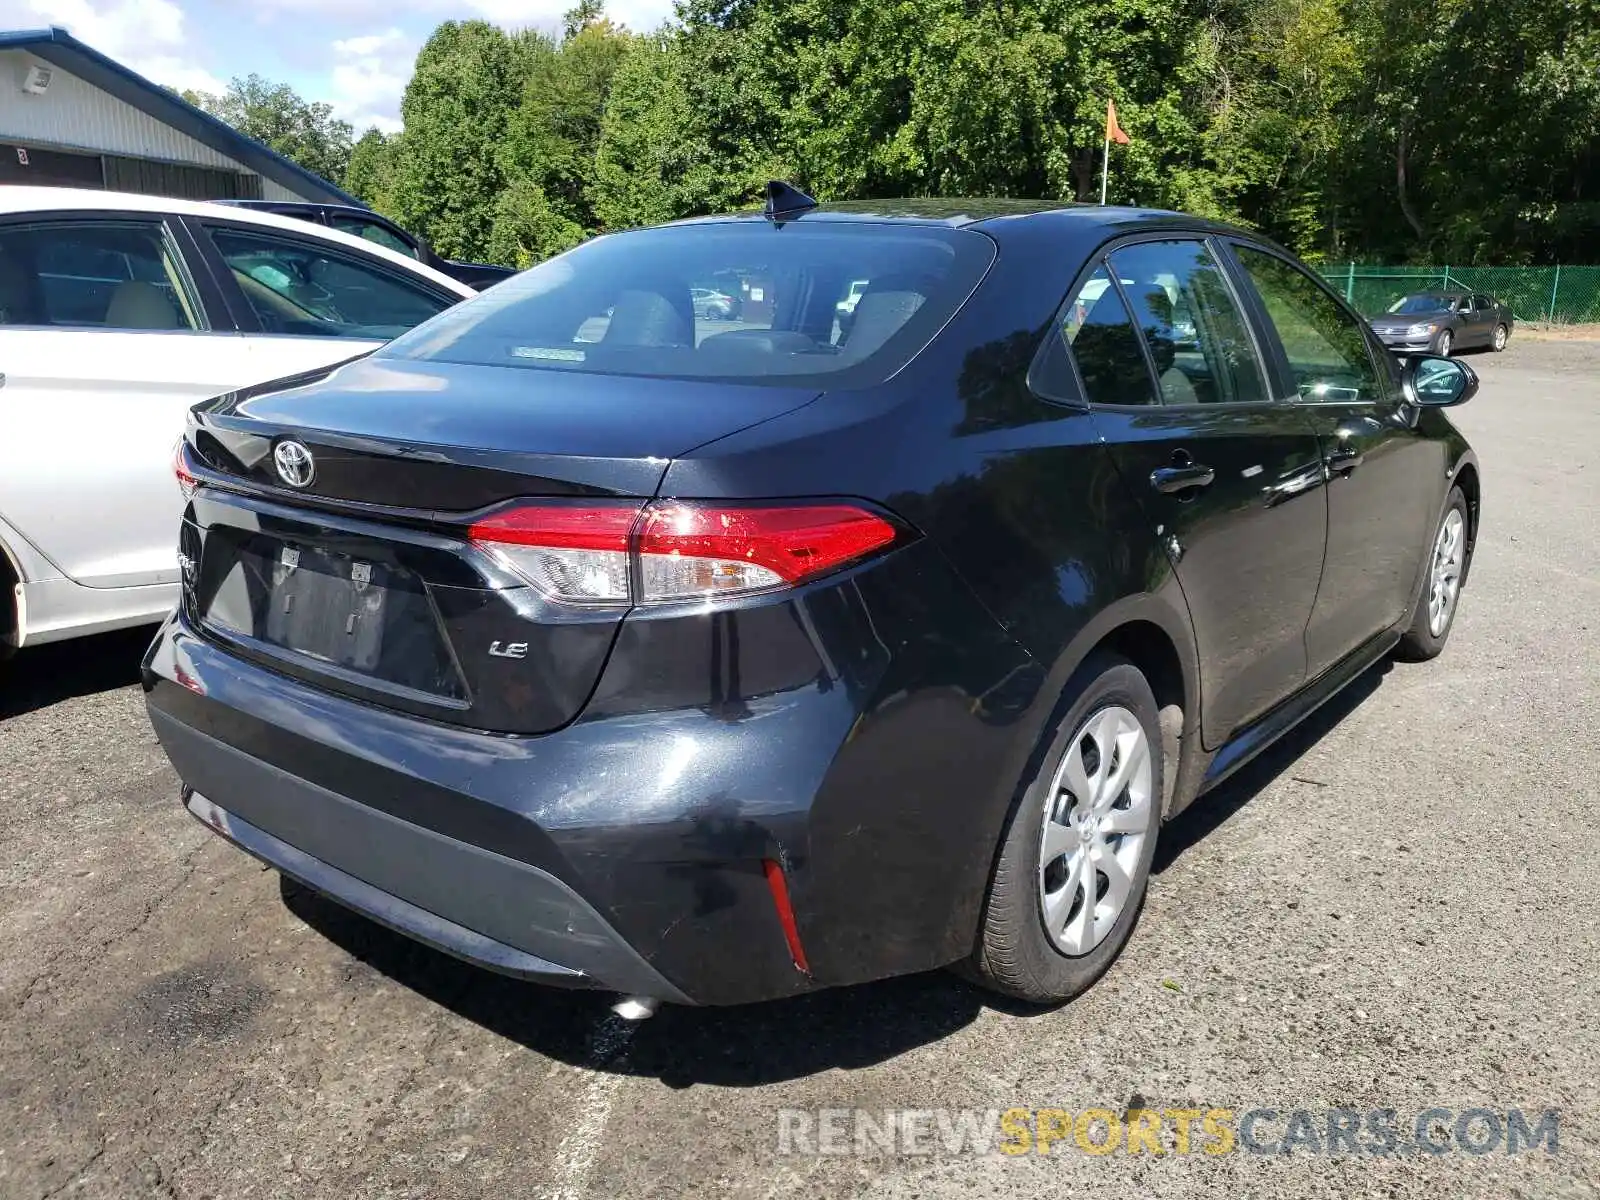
[684, 550]
[780, 901]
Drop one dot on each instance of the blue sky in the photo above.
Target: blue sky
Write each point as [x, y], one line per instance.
[354, 54]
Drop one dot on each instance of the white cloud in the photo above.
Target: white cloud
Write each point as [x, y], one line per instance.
[513, 14]
[369, 76]
[146, 35]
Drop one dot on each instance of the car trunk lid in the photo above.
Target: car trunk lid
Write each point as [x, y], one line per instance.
[347, 563]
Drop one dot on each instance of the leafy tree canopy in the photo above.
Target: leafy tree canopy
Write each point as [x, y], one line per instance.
[1364, 129]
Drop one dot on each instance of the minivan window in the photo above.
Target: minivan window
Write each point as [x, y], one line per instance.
[733, 300]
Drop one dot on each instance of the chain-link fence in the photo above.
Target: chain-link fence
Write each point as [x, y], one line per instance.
[1561, 294]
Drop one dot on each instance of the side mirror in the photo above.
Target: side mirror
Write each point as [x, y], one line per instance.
[1438, 382]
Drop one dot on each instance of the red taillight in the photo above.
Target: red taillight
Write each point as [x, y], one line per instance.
[694, 549]
[577, 553]
[584, 553]
[180, 467]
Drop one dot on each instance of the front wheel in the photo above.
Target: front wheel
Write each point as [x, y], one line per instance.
[1443, 343]
[1435, 612]
[1501, 335]
[1075, 858]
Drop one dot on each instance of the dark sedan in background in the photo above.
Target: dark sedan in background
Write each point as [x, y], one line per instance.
[1443, 322]
[364, 223]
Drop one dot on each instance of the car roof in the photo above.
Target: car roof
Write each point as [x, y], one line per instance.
[313, 206]
[17, 199]
[990, 211]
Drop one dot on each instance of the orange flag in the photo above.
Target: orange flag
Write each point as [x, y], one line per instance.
[1113, 130]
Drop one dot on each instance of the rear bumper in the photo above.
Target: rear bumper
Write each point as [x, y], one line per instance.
[626, 851]
[505, 915]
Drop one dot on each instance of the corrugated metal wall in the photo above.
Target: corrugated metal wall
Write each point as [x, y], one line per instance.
[73, 114]
[178, 179]
[272, 190]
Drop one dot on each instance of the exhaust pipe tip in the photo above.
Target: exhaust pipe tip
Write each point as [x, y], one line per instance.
[636, 1008]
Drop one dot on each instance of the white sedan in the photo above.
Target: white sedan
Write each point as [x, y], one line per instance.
[117, 314]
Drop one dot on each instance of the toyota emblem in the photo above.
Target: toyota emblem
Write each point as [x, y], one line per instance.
[294, 463]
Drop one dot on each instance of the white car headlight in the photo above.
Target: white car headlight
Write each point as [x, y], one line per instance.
[1420, 330]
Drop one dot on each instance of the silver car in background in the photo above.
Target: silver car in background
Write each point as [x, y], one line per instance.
[118, 313]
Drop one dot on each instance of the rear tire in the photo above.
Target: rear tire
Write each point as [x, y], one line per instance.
[1444, 572]
[1498, 341]
[1052, 927]
[1443, 344]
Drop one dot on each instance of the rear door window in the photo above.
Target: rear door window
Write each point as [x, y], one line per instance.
[1197, 336]
[375, 232]
[112, 274]
[1098, 330]
[314, 290]
[738, 300]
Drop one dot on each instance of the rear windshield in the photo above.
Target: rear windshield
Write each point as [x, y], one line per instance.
[746, 300]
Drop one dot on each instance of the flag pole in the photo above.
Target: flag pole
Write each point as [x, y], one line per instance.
[1105, 169]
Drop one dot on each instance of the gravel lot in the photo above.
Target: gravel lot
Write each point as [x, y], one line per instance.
[1396, 909]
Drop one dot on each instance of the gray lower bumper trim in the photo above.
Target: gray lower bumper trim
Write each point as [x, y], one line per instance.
[481, 906]
[380, 906]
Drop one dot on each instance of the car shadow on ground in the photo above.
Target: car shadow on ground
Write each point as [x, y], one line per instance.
[40, 676]
[1214, 809]
[751, 1045]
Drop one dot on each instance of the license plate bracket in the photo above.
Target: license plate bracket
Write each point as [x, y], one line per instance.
[329, 606]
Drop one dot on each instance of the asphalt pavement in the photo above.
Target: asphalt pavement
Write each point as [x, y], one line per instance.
[1396, 909]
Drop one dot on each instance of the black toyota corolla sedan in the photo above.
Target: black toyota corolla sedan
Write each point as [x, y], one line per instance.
[708, 661]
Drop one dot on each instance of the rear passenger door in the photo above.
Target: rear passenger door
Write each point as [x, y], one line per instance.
[1229, 479]
[1474, 323]
[105, 342]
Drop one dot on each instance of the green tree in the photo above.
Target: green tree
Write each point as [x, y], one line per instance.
[1377, 129]
[370, 175]
[457, 108]
[278, 116]
[548, 157]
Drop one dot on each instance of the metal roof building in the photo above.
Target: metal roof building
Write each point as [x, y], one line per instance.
[71, 116]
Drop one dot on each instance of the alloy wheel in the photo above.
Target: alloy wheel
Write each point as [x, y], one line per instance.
[1096, 817]
[1444, 344]
[1499, 337]
[1449, 551]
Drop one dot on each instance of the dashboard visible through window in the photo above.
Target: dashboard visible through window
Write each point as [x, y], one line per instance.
[300, 288]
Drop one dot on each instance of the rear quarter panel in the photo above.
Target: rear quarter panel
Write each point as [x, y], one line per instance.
[1024, 506]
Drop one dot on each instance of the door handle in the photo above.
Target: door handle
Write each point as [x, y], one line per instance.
[1342, 460]
[1181, 477]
